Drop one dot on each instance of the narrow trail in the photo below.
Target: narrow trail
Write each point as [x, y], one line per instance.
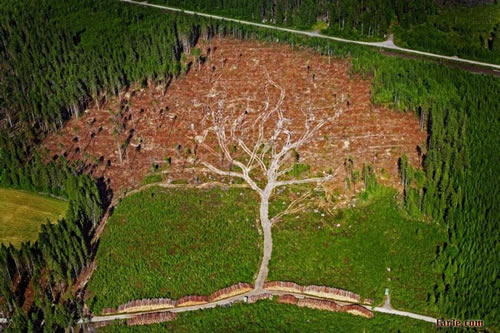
[387, 44]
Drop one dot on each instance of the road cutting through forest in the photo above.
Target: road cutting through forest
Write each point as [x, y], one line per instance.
[241, 298]
[387, 44]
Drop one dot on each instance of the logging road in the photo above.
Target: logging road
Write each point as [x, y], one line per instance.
[240, 298]
[388, 44]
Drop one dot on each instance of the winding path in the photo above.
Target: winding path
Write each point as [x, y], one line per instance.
[388, 44]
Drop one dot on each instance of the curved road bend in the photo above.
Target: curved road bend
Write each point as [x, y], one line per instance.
[388, 44]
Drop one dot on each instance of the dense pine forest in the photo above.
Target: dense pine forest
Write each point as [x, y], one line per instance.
[458, 188]
[35, 278]
[452, 32]
[443, 27]
[368, 18]
[57, 57]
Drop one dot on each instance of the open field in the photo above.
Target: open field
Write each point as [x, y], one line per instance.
[22, 214]
[173, 243]
[156, 128]
[355, 248]
[268, 316]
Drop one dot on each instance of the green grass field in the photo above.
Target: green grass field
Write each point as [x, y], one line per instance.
[22, 214]
[172, 243]
[355, 248]
[268, 316]
[461, 31]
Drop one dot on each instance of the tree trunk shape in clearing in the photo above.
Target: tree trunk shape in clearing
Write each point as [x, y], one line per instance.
[268, 243]
[267, 142]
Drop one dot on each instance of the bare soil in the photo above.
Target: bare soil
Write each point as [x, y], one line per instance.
[156, 127]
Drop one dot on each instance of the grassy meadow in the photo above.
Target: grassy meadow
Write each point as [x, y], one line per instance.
[269, 316]
[22, 214]
[363, 249]
[172, 243]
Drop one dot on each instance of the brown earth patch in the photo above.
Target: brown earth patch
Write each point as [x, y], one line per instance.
[155, 127]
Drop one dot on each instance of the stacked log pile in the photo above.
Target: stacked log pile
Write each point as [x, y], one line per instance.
[152, 318]
[99, 324]
[357, 310]
[284, 286]
[107, 311]
[256, 298]
[287, 299]
[320, 304]
[192, 300]
[334, 293]
[236, 289]
[146, 305]
[241, 288]
[165, 303]
[319, 291]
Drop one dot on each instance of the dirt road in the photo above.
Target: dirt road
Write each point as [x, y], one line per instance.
[388, 44]
[240, 298]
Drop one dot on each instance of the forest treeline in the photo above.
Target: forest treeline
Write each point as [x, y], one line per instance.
[460, 189]
[34, 278]
[458, 186]
[444, 27]
[56, 57]
[367, 18]
[469, 32]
